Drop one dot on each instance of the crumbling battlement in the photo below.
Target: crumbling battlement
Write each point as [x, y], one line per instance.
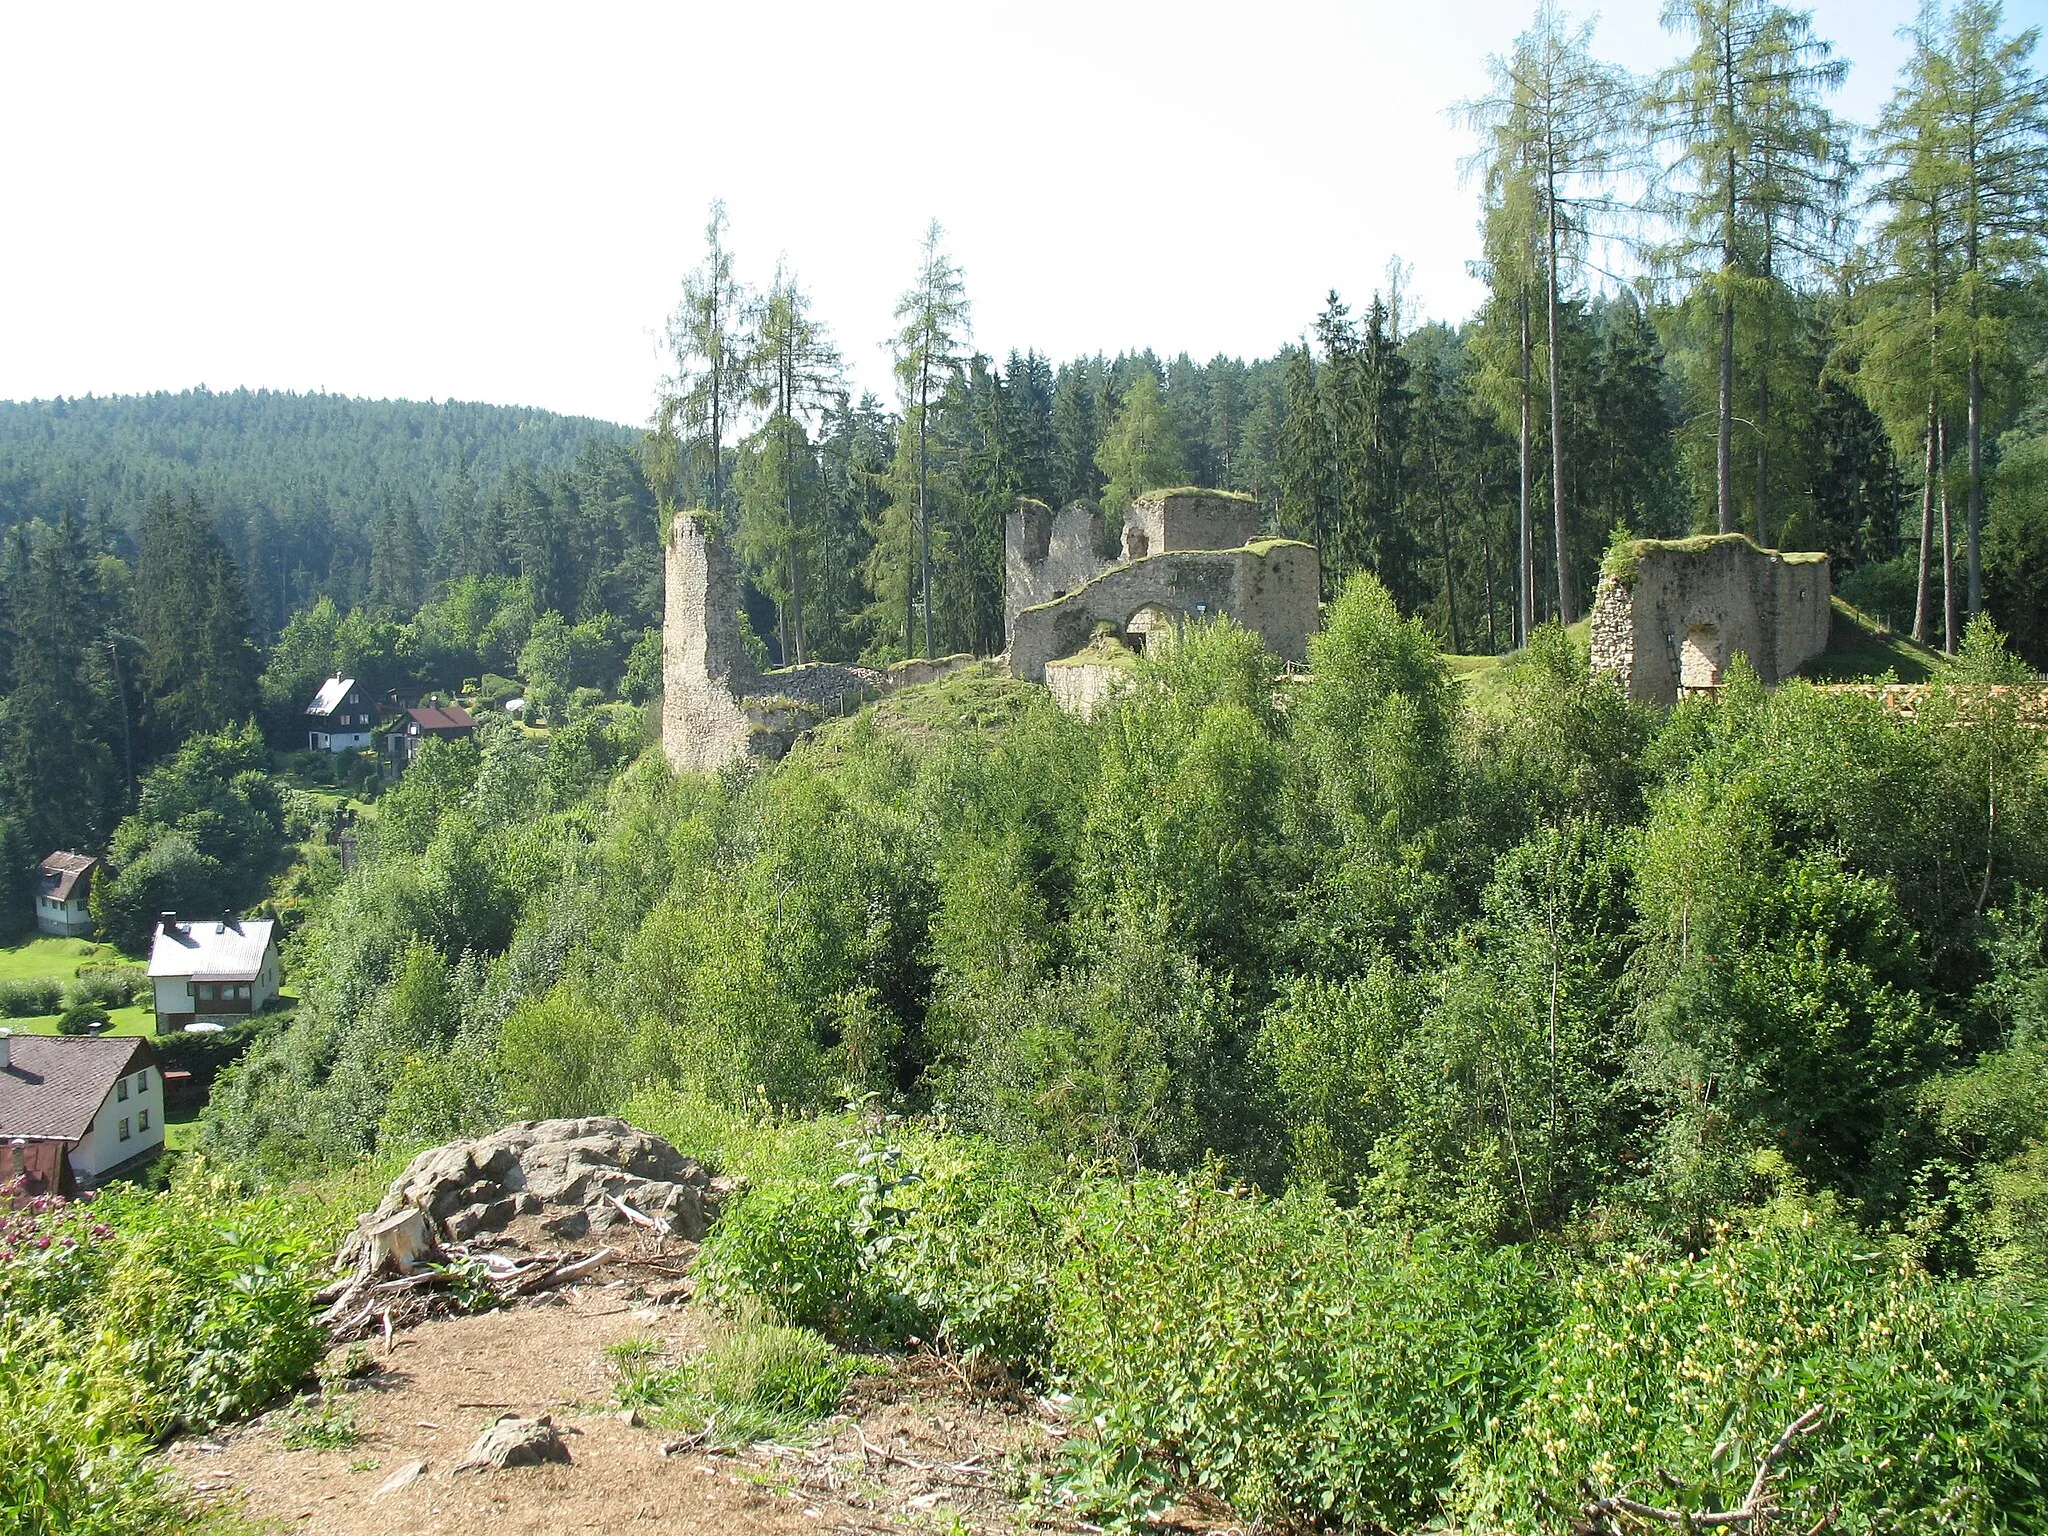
[1273, 588]
[1189, 518]
[1046, 554]
[715, 707]
[1670, 614]
[705, 669]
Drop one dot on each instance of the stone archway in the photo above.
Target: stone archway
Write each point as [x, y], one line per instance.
[1699, 660]
[1151, 629]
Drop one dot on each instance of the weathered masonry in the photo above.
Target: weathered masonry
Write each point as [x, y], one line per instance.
[716, 706]
[1671, 614]
[1186, 554]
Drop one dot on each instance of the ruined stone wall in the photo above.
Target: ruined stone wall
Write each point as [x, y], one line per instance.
[1675, 613]
[1046, 555]
[1160, 521]
[705, 669]
[1273, 588]
[715, 708]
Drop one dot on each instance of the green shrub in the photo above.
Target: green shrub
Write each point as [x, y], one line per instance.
[759, 1380]
[1284, 1355]
[792, 1246]
[107, 986]
[82, 1019]
[1668, 1380]
[68, 1466]
[30, 998]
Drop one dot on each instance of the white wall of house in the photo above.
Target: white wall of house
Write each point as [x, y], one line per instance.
[141, 1112]
[337, 741]
[180, 994]
[66, 919]
[173, 995]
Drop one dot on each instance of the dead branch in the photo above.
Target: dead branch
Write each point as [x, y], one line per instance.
[1756, 1507]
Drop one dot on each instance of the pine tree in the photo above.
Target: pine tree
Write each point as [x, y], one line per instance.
[797, 379]
[707, 338]
[1143, 451]
[1554, 127]
[1760, 168]
[192, 616]
[1075, 434]
[934, 319]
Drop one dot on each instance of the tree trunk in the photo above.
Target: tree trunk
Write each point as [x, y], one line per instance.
[1443, 528]
[1724, 500]
[1948, 548]
[1763, 449]
[924, 520]
[1974, 515]
[1525, 598]
[1921, 596]
[1564, 570]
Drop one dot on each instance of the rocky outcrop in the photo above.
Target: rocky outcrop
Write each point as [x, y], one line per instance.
[573, 1175]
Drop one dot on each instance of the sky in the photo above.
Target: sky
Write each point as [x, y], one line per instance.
[497, 202]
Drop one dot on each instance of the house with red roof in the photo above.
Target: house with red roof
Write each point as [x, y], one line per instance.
[428, 720]
[90, 1105]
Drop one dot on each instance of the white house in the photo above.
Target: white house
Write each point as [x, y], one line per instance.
[100, 1097]
[339, 718]
[213, 969]
[63, 888]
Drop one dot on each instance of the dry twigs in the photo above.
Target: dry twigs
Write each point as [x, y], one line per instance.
[1758, 1507]
[365, 1305]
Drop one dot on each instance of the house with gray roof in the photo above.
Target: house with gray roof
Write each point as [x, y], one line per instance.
[339, 719]
[95, 1101]
[211, 970]
[63, 889]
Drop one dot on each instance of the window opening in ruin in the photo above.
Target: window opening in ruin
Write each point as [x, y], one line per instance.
[1140, 545]
[1150, 629]
[1699, 660]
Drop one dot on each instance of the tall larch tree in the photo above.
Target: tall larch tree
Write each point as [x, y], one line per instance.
[1756, 166]
[933, 316]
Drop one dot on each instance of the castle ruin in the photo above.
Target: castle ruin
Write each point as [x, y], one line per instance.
[1186, 554]
[1671, 613]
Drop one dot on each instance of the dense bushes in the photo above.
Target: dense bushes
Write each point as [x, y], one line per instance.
[129, 1315]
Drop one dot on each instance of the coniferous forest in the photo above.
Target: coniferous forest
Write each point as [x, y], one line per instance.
[1424, 1091]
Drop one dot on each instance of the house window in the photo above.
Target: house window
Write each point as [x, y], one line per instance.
[142, 1121]
[242, 993]
[121, 1090]
[124, 1128]
[142, 1080]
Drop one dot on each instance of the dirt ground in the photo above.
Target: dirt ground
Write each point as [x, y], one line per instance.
[915, 1451]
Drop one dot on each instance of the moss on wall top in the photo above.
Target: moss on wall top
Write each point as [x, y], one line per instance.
[1624, 556]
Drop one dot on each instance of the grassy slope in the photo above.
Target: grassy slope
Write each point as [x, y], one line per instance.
[1859, 647]
[981, 697]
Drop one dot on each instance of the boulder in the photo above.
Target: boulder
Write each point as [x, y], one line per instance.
[515, 1442]
[571, 1174]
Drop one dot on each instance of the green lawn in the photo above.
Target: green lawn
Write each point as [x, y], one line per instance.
[61, 960]
[56, 957]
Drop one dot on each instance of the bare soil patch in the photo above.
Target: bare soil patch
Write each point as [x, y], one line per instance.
[914, 1450]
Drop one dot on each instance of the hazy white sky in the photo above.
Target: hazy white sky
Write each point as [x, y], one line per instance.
[496, 202]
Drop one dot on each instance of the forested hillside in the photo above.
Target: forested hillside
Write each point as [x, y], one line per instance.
[312, 493]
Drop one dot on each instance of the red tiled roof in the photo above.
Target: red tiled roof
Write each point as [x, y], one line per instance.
[53, 1085]
[441, 717]
[62, 873]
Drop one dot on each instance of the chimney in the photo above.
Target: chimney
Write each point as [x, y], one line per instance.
[6, 1048]
[168, 922]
